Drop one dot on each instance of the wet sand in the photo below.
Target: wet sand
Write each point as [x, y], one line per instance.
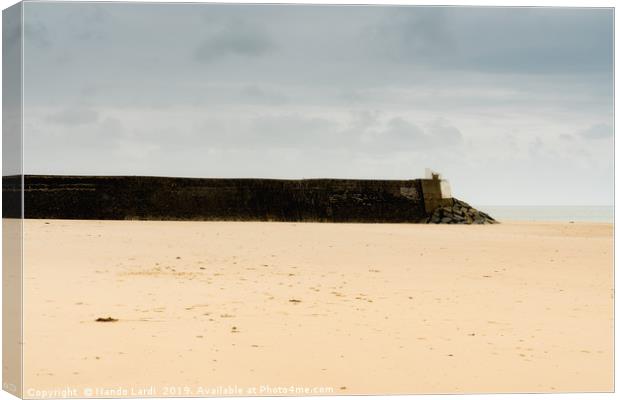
[337, 308]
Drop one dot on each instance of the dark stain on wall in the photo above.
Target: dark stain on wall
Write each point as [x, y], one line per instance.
[158, 198]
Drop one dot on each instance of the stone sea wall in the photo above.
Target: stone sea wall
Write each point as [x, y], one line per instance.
[156, 198]
[159, 198]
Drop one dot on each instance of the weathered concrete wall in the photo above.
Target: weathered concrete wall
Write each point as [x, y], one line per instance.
[337, 200]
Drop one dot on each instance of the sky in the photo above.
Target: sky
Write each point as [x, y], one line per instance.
[514, 106]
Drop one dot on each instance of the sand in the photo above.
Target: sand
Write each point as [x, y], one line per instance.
[208, 308]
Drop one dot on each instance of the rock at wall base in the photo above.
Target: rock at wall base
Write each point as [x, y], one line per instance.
[459, 213]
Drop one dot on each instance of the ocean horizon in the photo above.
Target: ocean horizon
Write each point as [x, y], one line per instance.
[551, 213]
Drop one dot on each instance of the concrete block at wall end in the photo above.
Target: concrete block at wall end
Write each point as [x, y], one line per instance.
[446, 191]
[431, 192]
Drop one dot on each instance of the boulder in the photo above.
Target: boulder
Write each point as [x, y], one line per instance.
[459, 213]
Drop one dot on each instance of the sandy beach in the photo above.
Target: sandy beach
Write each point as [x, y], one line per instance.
[334, 308]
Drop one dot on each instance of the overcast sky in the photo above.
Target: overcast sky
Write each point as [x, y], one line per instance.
[512, 105]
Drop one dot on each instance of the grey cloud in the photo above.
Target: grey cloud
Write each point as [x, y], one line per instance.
[403, 135]
[598, 131]
[365, 133]
[293, 124]
[536, 148]
[89, 23]
[88, 91]
[89, 35]
[256, 93]
[237, 39]
[268, 131]
[74, 116]
[112, 127]
[82, 21]
[514, 40]
[445, 134]
[364, 122]
[109, 131]
[93, 14]
[37, 34]
[416, 35]
[76, 133]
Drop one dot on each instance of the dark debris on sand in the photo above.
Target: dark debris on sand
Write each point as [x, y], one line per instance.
[106, 319]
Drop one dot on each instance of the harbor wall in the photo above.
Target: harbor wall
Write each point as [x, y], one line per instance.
[160, 198]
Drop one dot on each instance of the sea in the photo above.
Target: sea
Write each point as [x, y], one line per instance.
[551, 213]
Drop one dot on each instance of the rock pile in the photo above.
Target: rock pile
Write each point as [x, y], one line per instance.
[459, 213]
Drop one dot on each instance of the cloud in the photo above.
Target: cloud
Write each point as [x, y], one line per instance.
[268, 131]
[88, 23]
[536, 149]
[239, 39]
[500, 40]
[597, 131]
[400, 134]
[37, 34]
[257, 94]
[444, 134]
[420, 36]
[112, 127]
[291, 125]
[363, 133]
[74, 116]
